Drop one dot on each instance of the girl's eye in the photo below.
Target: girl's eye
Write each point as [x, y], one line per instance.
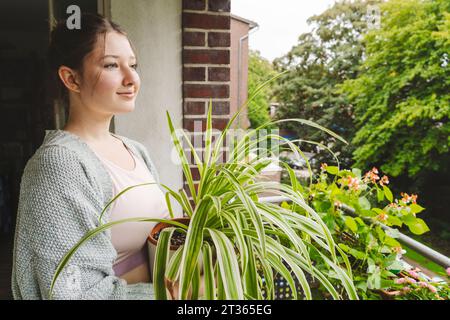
[115, 65]
[111, 65]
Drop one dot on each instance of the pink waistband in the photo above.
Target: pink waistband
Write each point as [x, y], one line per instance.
[133, 261]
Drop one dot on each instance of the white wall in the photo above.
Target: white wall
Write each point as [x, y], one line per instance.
[154, 27]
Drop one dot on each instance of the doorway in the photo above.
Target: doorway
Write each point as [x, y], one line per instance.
[26, 110]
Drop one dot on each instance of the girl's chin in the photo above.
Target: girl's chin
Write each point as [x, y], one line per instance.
[124, 108]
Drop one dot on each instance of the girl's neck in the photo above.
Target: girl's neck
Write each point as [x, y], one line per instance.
[98, 133]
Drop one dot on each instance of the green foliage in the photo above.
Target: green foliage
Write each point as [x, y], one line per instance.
[250, 240]
[374, 253]
[402, 93]
[259, 71]
[386, 90]
[323, 59]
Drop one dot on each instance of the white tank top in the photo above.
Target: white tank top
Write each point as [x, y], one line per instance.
[143, 201]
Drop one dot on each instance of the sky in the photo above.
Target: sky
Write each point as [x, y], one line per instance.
[280, 22]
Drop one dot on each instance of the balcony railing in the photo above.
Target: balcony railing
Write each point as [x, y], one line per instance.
[424, 250]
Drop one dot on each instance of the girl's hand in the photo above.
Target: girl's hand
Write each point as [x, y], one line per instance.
[173, 288]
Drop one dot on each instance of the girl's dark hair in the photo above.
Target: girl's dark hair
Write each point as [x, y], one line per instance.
[69, 47]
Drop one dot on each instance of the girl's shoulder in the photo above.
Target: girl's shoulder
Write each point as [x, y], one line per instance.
[62, 149]
[64, 156]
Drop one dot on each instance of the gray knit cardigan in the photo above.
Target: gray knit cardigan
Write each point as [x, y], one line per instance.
[63, 189]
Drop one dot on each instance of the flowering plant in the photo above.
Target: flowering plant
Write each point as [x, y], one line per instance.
[412, 285]
[374, 252]
[371, 197]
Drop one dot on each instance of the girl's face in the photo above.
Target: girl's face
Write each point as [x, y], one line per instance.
[110, 81]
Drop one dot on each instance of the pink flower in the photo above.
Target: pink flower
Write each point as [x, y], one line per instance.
[353, 183]
[448, 271]
[397, 249]
[382, 216]
[413, 274]
[411, 280]
[406, 289]
[371, 175]
[384, 180]
[400, 281]
[423, 284]
[408, 198]
[432, 288]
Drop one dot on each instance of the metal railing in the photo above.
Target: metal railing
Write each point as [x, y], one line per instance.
[415, 245]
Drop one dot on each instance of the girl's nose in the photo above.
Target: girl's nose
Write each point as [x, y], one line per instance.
[130, 77]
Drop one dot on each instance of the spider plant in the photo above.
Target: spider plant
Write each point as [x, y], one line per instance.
[240, 242]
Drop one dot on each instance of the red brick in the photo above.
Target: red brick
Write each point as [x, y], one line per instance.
[218, 124]
[200, 143]
[205, 21]
[194, 107]
[194, 74]
[220, 107]
[194, 38]
[206, 56]
[194, 4]
[218, 74]
[219, 5]
[206, 91]
[219, 39]
[189, 124]
[186, 188]
[195, 174]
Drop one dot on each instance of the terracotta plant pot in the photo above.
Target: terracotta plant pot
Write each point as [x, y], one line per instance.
[151, 238]
[162, 225]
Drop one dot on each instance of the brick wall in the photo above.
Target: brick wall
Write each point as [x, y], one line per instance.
[206, 63]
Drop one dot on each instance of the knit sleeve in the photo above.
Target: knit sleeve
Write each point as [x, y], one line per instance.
[60, 203]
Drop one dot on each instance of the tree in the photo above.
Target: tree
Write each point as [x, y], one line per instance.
[402, 95]
[259, 71]
[323, 59]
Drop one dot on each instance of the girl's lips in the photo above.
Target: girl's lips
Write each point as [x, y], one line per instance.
[126, 95]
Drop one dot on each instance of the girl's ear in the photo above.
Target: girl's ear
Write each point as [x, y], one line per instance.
[70, 78]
